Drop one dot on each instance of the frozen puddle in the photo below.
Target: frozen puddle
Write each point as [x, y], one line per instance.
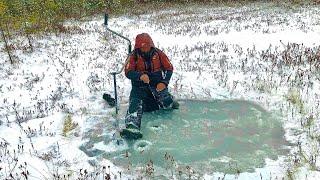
[218, 136]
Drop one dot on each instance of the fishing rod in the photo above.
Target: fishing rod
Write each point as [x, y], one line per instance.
[114, 74]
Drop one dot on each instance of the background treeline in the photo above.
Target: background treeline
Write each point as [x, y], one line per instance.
[32, 16]
[29, 17]
[38, 15]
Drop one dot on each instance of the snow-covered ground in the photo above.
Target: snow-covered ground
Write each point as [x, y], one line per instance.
[261, 52]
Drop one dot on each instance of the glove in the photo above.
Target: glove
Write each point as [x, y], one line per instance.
[145, 78]
[161, 86]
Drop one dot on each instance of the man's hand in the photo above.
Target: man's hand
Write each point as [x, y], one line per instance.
[161, 86]
[145, 78]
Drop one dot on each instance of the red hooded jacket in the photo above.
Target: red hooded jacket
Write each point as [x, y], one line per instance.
[156, 64]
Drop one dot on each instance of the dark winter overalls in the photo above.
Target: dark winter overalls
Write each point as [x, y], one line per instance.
[144, 97]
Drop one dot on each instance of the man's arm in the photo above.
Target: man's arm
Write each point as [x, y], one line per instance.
[130, 69]
[167, 67]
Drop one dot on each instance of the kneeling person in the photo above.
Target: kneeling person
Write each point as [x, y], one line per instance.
[149, 70]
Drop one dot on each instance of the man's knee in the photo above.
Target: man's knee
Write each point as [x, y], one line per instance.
[165, 98]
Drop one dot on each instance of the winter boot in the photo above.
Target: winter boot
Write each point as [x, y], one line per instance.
[131, 132]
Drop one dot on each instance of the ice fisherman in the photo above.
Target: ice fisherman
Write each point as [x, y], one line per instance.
[150, 71]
